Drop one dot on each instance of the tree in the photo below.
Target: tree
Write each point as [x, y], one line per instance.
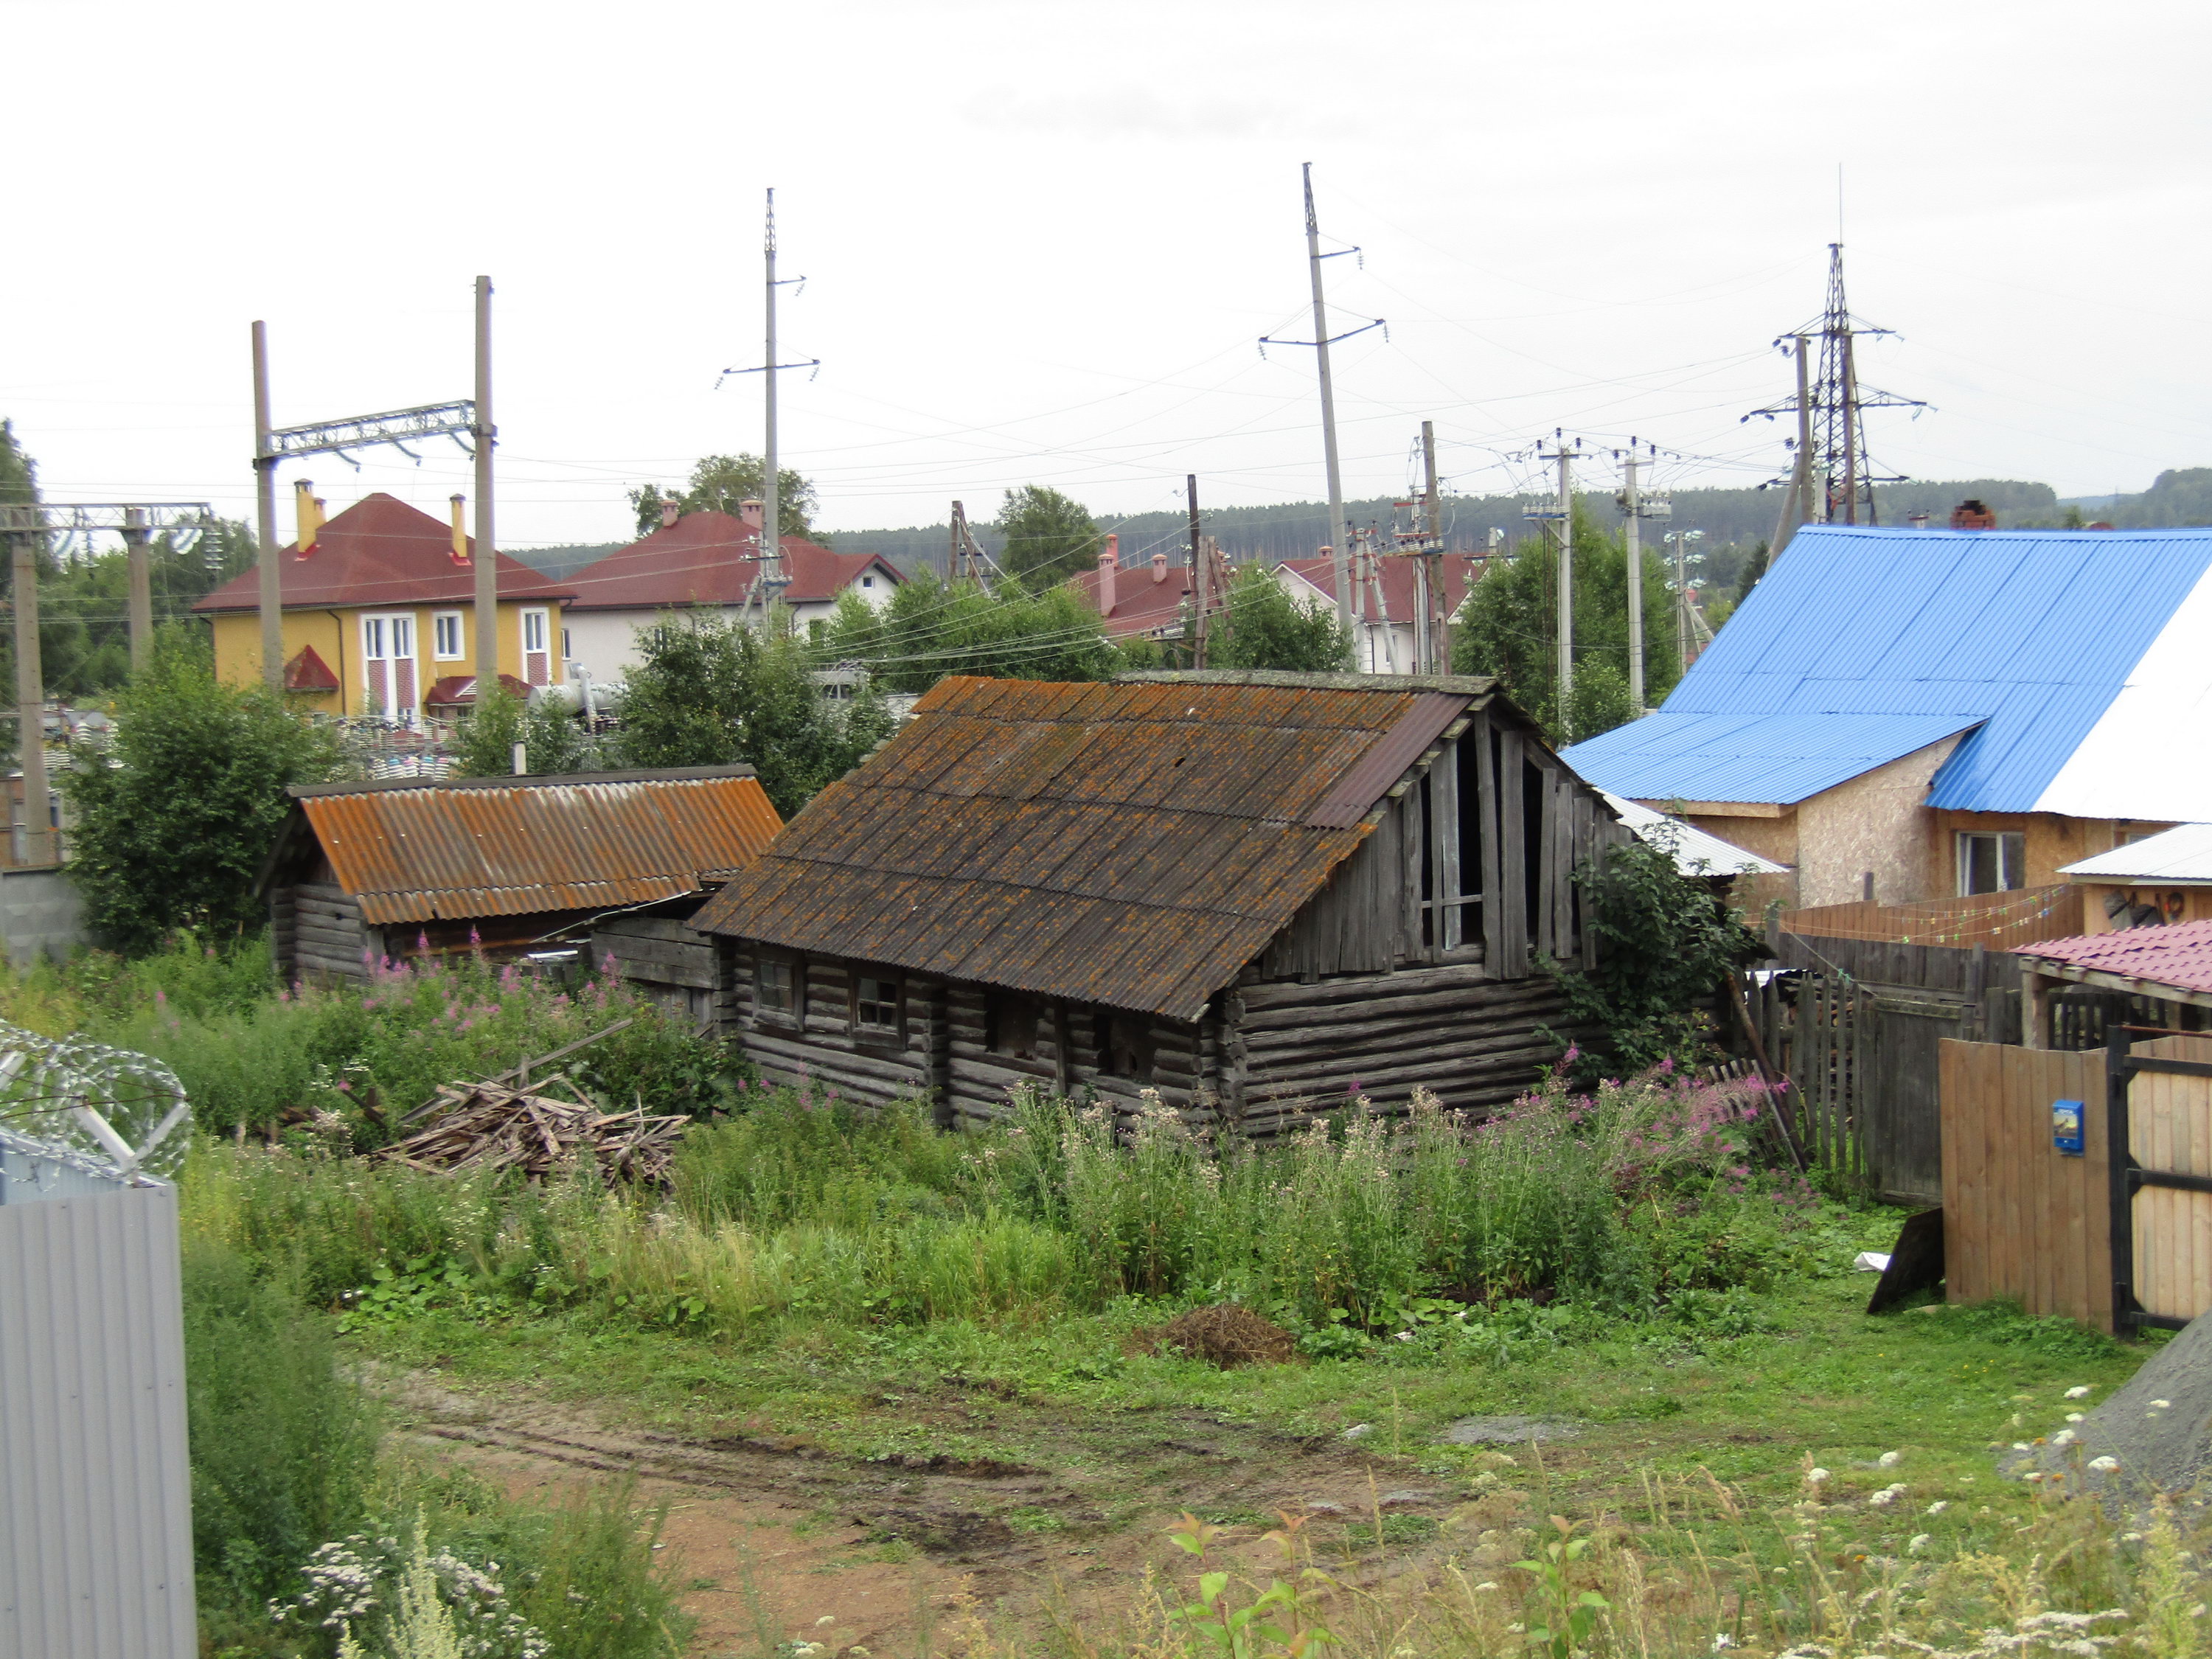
[552, 741]
[931, 628]
[1665, 942]
[722, 483]
[1049, 537]
[1263, 627]
[175, 814]
[1510, 628]
[711, 692]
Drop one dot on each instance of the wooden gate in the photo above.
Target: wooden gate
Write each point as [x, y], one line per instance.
[1862, 1062]
[2119, 1236]
[2158, 1162]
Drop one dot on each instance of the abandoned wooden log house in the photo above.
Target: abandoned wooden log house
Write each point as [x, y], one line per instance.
[366, 873]
[1258, 893]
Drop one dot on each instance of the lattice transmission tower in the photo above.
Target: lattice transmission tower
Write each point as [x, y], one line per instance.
[1831, 478]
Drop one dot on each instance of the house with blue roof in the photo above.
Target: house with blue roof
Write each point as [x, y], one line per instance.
[1910, 714]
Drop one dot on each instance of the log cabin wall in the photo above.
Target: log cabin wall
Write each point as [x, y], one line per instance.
[665, 957]
[318, 935]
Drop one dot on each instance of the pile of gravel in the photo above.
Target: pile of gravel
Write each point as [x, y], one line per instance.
[2158, 1428]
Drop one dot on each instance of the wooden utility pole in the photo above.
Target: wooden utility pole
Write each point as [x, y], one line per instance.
[142, 589]
[1436, 641]
[486, 556]
[1198, 573]
[27, 537]
[771, 543]
[271, 573]
[1565, 667]
[1635, 539]
[952, 549]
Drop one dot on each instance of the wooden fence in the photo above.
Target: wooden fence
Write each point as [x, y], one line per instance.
[1999, 922]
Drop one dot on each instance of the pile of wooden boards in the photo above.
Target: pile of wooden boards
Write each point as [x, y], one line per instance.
[489, 1125]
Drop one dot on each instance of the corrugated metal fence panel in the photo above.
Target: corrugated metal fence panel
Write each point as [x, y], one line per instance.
[95, 1502]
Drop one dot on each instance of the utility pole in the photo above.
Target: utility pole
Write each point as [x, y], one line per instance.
[1436, 641]
[1338, 548]
[1563, 453]
[1340, 562]
[142, 588]
[1635, 539]
[771, 541]
[1198, 573]
[1797, 499]
[27, 538]
[486, 557]
[271, 575]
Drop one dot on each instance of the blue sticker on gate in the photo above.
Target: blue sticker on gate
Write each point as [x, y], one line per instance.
[2066, 1128]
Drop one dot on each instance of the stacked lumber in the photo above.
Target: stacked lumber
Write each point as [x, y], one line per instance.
[489, 1127]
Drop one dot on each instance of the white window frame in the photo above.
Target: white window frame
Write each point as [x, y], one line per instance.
[543, 621]
[382, 634]
[440, 620]
[2011, 860]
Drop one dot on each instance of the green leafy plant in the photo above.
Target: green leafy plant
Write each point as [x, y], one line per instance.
[1271, 1621]
[1564, 1616]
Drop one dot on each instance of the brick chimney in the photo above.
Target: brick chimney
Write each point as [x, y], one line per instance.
[1109, 565]
[1159, 566]
[749, 513]
[670, 511]
[1972, 516]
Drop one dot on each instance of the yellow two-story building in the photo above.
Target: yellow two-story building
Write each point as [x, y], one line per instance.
[379, 615]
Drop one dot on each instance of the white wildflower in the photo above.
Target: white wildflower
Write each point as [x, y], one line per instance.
[1886, 1496]
[2160, 1405]
[1721, 1642]
[826, 1619]
[2073, 1417]
[1939, 1506]
[1919, 1543]
[1889, 1460]
[1488, 1584]
[2079, 1391]
[2064, 1437]
[2021, 1445]
[2103, 1465]
[1815, 1476]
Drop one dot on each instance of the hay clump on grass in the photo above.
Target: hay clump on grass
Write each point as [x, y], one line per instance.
[1226, 1335]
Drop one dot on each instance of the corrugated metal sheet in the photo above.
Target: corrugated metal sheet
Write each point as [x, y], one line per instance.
[2182, 853]
[2179, 956]
[2027, 635]
[1670, 755]
[95, 1509]
[1695, 852]
[478, 847]
[1129, 844]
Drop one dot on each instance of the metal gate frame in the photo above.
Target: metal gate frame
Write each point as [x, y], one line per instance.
[2128, 1177]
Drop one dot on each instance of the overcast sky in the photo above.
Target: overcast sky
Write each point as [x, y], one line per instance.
[1042, 240]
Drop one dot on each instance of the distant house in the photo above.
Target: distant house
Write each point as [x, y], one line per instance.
[1383, 607]
[1914, 715]
[2157, 881]
[364, 873]
[1257, 893]
[708, 560]
[379, 606]
[1153, 600]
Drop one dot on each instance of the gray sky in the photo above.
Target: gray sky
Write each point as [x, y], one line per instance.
[1041, 238]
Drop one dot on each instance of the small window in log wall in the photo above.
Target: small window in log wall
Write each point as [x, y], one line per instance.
[1011, 1025]
[777, 982]
[1126, 1047]
[877, 1008]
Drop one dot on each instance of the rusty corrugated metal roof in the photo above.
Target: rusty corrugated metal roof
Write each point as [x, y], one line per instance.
[416, 851]
[1131, 844]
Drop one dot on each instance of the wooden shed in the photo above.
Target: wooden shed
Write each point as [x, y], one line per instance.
[1258, 893]
[365, 873]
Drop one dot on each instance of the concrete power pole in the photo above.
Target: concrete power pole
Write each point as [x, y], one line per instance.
[1565, 454]
[771, 541]
[271, 575]
[486, 558]
[1198, 574]
[142, 589]
[1340, 554]
[1797, 499]
[27, 538]
[1634, 507]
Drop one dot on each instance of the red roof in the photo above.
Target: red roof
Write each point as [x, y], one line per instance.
[1143, 603]
[2180, 955]
[1397, 582]
[455, 689]
[709, 558]
[378, 551]
[308, 672]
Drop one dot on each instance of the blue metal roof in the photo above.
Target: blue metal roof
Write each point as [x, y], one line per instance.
[1861, 642]
[1671, 757]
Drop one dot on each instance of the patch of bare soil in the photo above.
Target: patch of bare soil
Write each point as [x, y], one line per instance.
[782, 1540]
